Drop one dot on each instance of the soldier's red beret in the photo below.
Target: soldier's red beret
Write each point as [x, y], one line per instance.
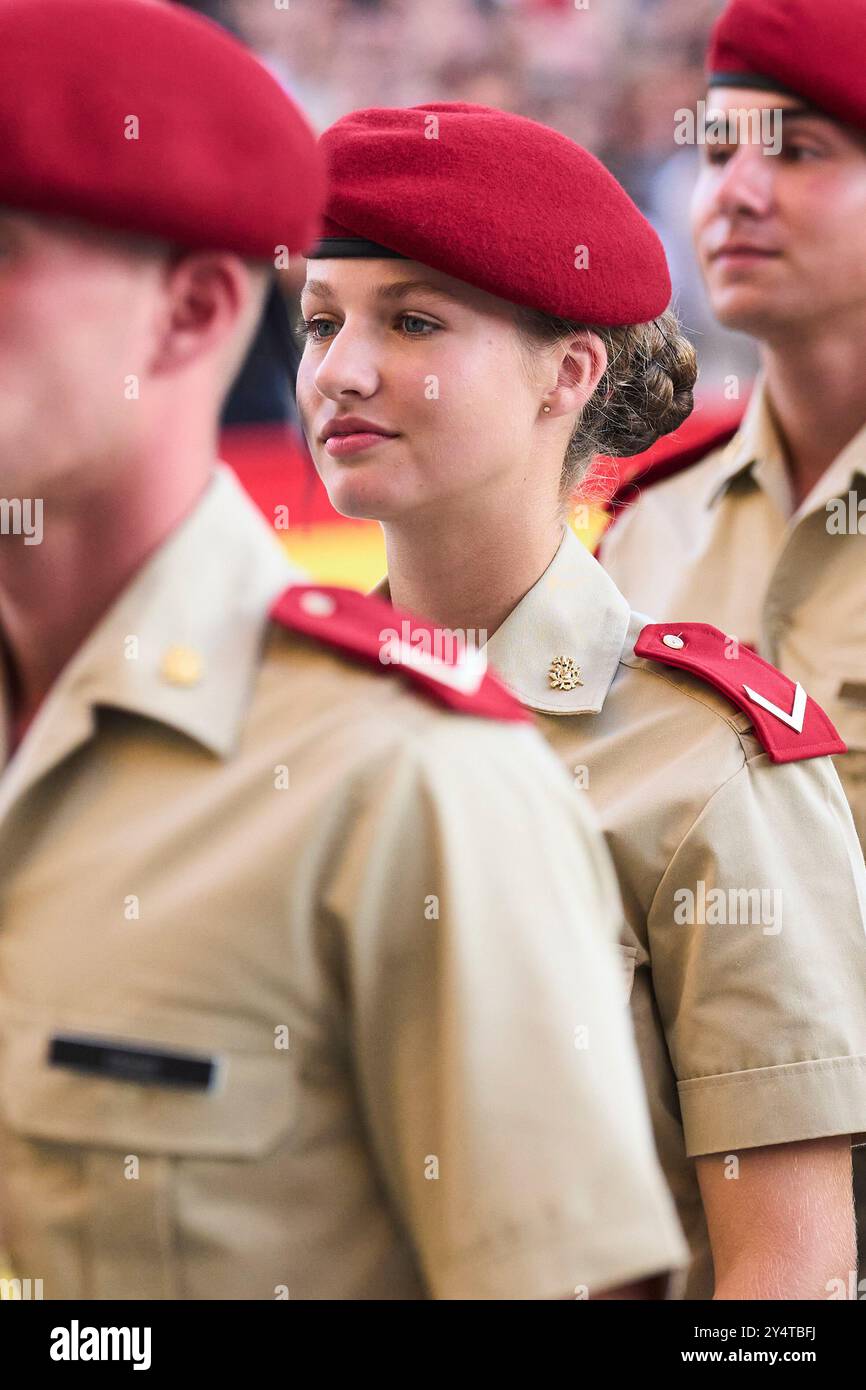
[498, 201]
[143, 117]
[811, 50]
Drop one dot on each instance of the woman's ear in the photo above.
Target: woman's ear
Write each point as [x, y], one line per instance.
[582, 365]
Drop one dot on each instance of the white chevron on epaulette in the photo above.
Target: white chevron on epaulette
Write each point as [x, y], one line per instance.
[797, 716]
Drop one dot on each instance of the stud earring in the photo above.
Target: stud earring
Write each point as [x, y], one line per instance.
[546, 409]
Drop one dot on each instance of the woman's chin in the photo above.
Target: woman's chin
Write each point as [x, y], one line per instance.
[362, 493]
[352, 499]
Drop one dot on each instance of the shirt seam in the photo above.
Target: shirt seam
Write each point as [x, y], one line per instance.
[647, 664]
[754, 1075]
[700, 815]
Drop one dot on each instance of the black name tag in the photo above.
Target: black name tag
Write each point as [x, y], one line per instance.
[148, 1066]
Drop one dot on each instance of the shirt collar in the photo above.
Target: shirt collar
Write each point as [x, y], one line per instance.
[846, 473]
[756, 451]
[573, 615]
[180, 644]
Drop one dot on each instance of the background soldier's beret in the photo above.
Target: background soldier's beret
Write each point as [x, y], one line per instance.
[813, 49]
[142, 117]
[495, 200]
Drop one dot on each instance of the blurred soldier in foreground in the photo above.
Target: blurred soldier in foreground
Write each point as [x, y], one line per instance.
[306, 976]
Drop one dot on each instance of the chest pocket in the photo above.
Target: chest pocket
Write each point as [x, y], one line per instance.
[109, 1184]
[849, 712]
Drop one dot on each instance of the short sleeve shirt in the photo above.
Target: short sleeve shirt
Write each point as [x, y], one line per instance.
[742, 880]
[308, 987]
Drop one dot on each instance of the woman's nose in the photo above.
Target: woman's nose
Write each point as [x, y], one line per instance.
[348, 367]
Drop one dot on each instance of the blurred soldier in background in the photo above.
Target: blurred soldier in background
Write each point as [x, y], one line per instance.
[765, 534]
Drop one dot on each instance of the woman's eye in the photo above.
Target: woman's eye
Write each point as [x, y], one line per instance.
[309, 328]
[416, 327]
[323, 330]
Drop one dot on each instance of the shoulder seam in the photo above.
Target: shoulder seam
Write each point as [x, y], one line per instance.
[643, 663]
[701, 813]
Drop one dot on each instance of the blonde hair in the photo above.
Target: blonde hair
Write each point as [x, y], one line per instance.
[646, 390]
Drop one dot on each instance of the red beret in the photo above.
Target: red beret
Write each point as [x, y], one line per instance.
[812, 50]
[223, 159]
[495, 200]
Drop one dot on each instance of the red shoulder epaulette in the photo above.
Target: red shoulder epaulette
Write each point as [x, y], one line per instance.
[389, 639]
[788, 722]
[666, 458]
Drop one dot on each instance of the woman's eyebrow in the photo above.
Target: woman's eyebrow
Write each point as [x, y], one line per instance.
[398, 288]
[319, 289]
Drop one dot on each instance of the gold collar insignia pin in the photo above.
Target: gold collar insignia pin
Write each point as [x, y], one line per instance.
[564, 673]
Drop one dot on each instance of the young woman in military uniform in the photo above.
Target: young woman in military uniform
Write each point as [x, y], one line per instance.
[485, 312]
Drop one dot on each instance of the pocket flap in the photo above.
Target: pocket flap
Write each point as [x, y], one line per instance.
[848, 713]
[250, 1105]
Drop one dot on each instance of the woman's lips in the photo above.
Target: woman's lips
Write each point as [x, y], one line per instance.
[742, 255]
[341, 444]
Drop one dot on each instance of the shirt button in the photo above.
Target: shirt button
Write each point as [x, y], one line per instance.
[181, 666]
[317, 605]
[670, 639]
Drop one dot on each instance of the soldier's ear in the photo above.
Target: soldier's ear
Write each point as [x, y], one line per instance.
[205, 298]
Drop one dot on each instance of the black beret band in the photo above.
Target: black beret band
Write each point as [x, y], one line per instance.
[752, 80]
[350, 246]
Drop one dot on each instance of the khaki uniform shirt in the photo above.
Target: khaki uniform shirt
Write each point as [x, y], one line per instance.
[380, 931]
[722, 543]
[750, 1016]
